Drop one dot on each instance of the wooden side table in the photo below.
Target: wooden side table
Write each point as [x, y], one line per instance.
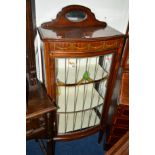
[40, 118]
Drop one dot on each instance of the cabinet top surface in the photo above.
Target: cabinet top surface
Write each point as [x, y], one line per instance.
[72, 33]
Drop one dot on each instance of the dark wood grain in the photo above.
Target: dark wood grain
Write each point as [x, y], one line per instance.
[78, 34]
[120, 119]
[77, 134]
[41, 110]
[87, 30]
[38, 102]
[125, 59]
[30, 37]
[39, 106]
[124, 93]
[121, 147]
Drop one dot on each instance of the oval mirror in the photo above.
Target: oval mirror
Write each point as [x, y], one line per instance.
[76, 16]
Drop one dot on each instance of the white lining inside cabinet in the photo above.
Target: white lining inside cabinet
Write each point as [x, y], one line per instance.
[72, 71]
[81, 122]
[79, 98]
[81, 91]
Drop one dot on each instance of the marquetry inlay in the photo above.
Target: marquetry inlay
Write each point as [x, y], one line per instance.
[85, 46]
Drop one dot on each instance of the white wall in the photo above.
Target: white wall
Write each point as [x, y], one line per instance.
[114, 12]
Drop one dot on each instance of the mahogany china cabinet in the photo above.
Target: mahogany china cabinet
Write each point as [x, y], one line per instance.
[80, 57]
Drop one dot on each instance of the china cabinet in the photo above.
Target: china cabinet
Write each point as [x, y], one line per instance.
[80, 57]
